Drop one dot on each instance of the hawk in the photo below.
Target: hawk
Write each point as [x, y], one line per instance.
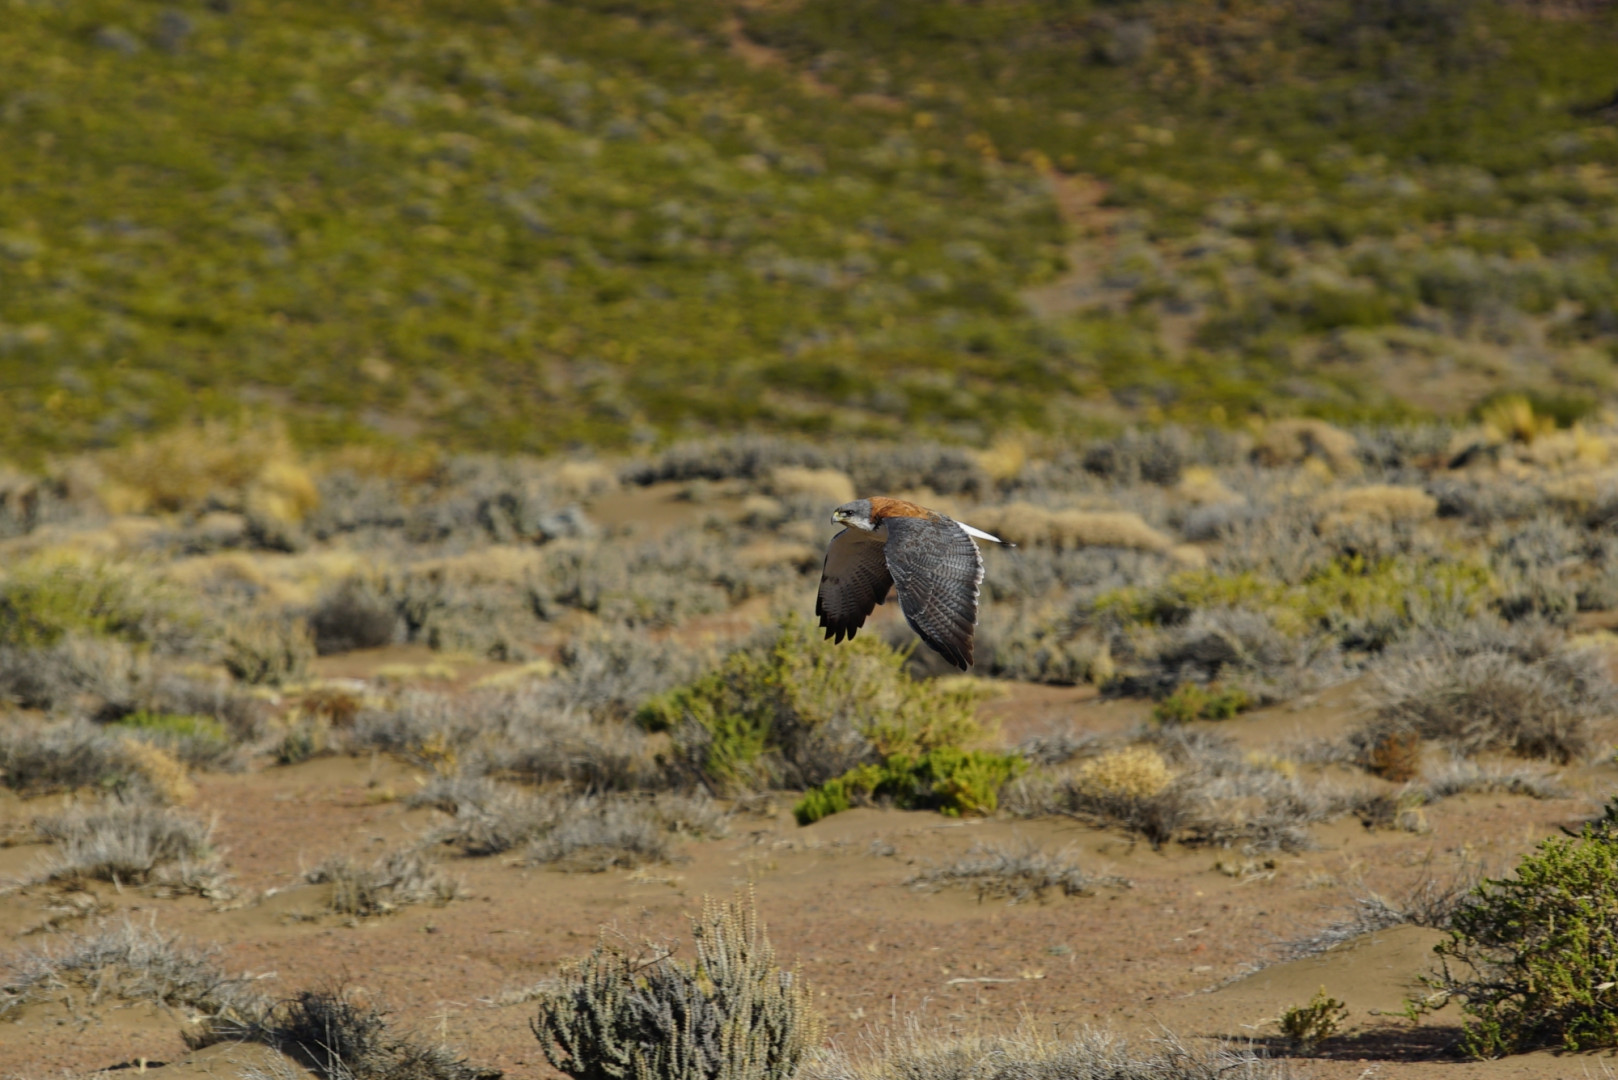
[933, 560]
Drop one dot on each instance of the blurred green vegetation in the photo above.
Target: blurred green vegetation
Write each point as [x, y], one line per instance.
[524, 227]
[44, 600]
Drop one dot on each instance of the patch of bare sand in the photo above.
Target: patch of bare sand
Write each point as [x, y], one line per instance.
[836, 900]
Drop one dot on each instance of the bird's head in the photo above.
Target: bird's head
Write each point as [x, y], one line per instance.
[855, 515]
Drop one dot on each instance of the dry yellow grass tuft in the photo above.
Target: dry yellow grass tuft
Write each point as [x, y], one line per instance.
[1512, 419]
[1136, 771]
[1024, 523]
[1201, 486]
[1291, 442]
[831, 485]
[253, 469]
[1005, 458]
[1383, 503]
[166, 775]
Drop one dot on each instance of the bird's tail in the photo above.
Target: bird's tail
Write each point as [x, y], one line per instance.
[981, 535]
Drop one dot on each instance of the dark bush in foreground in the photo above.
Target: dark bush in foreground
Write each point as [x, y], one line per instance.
[1534, 957]
[733, 1015]
[342, 1038]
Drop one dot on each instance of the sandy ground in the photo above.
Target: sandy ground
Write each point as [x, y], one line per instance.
[1174, 950]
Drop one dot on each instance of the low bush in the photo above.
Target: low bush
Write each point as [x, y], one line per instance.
[77, 755]
[732, 1014]
[76, 673]
[42, 601]
[352, 616]
[1186, 788]
[1015, 873]
[395, 880]
[131, 844]
[198, 741]
[1534, 957]
[795, 711]
[947, 779]
[602, 834]
[268, 650]
[342, 1038]
[128, 963]
[1524, 691]
[1193, 702]
[1306, 1026]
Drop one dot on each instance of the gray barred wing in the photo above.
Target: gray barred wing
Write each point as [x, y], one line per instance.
[938, 570]
[853, 582]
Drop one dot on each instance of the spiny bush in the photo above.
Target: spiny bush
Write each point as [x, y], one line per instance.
[1534, 957]
[77, 672]
[796, 711]
[1305, 1026]
[947, 779]
[731, 1015]
[1134, 771]
[1431, 901]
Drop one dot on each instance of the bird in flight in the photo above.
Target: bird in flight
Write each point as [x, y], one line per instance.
[933, 560]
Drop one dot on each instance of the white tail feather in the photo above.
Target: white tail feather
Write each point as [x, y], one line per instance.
[981, 535]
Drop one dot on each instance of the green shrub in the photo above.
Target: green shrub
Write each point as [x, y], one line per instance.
[195, 740]
[799, 711]
[948, 779]
[732, 1015]
[1534, 957]
[43, 601]
[1305, 1026]
[1193, 702]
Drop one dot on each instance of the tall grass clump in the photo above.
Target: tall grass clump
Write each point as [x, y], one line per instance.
[733, 1014]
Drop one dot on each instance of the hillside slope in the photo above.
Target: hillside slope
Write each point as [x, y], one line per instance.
[522, 226]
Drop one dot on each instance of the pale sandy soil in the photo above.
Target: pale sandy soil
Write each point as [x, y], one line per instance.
[1171, 951]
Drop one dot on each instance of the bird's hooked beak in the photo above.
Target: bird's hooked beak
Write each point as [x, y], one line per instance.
[839, 517]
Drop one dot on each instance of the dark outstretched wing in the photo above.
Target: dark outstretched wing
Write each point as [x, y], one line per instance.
[855, 580]
[938, 570]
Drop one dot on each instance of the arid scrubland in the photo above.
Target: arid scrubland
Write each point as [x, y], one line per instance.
[596, 663]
